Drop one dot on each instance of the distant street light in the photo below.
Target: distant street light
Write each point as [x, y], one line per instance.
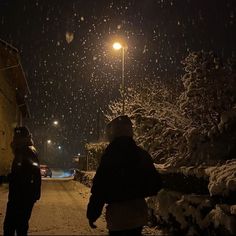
[118, 46]
[55, 123]
[49, 141]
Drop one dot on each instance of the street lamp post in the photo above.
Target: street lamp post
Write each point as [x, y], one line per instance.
[118, 46]
[123, 80]
[48, 142]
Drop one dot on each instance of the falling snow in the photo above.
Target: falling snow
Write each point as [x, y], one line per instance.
[72, 70]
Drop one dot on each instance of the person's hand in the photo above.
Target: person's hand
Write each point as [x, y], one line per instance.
[92, 225]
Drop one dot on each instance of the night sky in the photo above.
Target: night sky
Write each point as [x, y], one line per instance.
[71, 68]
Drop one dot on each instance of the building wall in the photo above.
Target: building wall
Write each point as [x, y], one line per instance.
[9, 118]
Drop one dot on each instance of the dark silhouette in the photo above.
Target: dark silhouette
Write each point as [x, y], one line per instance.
[125, 176]
[24, 183]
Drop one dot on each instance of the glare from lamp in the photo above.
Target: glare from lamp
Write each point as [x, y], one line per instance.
[117, 46]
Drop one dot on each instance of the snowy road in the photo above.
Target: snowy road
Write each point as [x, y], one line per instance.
[60, 211]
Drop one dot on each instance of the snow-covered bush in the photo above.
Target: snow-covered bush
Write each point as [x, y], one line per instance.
[192, 214]
[201, 213]
[85, 177]
[222, 179]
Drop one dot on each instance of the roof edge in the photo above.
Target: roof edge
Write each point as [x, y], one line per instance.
[9, 45]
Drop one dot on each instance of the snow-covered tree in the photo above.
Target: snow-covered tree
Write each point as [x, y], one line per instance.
[208, 100]
[185, 128]
[158, 123]
[209, 90]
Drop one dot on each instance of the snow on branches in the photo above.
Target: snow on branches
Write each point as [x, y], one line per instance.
[157, 120]
[209, 89]
[186, 127]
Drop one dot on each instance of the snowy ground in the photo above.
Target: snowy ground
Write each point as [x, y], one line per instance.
[62, 210]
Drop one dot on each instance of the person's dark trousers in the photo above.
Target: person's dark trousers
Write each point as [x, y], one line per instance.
[17, 218]
[128, 232]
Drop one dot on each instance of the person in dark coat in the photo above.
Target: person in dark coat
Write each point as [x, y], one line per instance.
[125, 176]
[24, 183]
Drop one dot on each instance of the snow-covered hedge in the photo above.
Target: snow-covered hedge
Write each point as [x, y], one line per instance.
[222, 179]
[85, 177]
[212, 213]
[193, 214]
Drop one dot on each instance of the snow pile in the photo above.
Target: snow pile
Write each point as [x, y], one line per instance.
[222, 179]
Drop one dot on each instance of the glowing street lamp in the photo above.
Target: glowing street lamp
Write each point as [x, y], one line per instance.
[55, 122]
[49, 141]
[118, 46]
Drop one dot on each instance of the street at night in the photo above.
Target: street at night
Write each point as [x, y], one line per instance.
[118, 117]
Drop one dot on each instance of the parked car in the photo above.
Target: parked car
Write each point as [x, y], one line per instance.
[45, 171]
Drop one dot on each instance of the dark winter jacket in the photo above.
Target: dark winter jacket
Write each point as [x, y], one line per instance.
[126, 172]
[25, 177]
